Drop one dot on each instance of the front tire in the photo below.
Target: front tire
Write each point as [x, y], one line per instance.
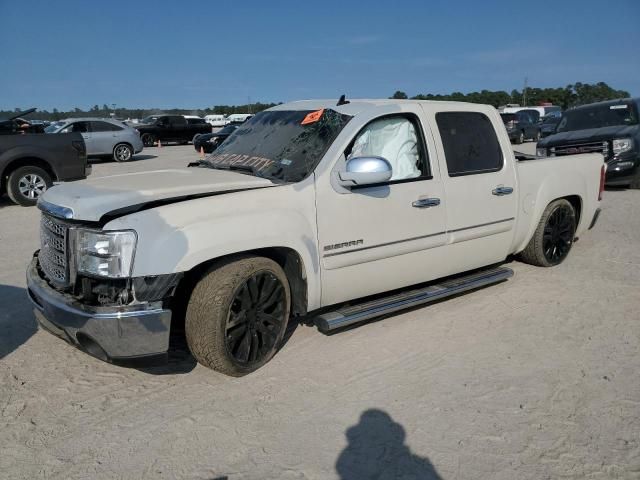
[237, 315]
[122, 152]
[520, 138]
[26, 184]
[554, 235]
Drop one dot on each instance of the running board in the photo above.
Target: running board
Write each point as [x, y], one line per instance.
[349, 315]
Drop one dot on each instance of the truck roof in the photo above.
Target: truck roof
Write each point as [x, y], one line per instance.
[357, 106]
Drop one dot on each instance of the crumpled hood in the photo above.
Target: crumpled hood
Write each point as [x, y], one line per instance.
[91, 199]
[589, 135]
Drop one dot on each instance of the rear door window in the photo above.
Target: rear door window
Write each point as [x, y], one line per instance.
[97, 126]
[470, 143]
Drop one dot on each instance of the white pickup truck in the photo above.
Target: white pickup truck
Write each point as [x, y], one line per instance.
[305, 207]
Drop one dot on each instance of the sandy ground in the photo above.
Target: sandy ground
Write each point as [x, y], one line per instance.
[535, 378]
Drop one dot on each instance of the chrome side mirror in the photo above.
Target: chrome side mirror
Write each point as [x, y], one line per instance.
[365, 171]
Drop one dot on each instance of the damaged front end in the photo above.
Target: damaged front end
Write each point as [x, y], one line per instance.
[82, 292]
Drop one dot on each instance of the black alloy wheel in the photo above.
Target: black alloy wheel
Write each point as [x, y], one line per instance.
[257, 315]
[558, 234]
[148, 140]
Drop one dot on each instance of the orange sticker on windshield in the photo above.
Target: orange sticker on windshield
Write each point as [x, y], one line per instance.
[312, 117]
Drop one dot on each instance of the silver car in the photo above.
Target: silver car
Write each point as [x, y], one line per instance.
[102, 136]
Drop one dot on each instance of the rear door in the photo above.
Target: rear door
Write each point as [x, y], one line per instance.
[480, 185]
[105, 136]
[179, 128]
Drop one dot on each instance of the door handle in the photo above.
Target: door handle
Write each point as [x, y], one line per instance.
[426, 202]
[500, 191]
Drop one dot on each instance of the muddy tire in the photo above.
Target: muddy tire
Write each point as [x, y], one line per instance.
[237, 315]
[553, 237]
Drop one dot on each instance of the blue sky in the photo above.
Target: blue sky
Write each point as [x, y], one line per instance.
[193, 54]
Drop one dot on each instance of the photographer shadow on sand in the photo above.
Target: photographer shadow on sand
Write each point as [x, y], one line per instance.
[376, 450]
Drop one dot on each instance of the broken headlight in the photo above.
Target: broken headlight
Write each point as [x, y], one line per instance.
[105, 254]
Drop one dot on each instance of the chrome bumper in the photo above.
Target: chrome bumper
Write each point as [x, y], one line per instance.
[113, 334]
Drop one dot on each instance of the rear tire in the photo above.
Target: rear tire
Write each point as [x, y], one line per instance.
[553, 238]
[635, 183]
[520, 138]
[148, 140]
[237, 315]
[122, 152]
[26, 184]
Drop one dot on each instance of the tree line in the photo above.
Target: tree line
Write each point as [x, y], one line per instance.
[125, 113]
[569, 96]
[566, 97]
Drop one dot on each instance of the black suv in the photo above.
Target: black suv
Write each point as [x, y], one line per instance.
[522, 125]
[610, 128]
[169, 128]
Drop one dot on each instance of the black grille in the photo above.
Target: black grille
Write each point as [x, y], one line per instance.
[53, 250]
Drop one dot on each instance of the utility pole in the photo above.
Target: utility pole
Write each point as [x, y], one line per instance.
[524, 93]
[249, 103]
[114, 109]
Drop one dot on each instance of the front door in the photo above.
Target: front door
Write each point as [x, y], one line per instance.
[84, 129]
[481, 188]
[377, 238]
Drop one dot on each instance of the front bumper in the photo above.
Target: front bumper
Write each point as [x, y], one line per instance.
[112, 334]
[622, 176]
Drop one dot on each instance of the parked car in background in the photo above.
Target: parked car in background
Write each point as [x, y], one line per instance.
[522, 125]
[611, 128]
[308, 206]
[30, 163]
[216, 120]
[549, 124]
[169, 128]
[103, 137]
[238, 117]
[210, 141]
[543, 111]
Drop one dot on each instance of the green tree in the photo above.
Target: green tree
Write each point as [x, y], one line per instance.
[399, 95]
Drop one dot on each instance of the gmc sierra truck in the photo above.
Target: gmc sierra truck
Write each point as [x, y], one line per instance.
[611, 128]
[306, 207]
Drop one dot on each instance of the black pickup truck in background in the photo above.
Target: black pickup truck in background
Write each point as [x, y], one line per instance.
[611, 128]
[30, 163]
[169, 128]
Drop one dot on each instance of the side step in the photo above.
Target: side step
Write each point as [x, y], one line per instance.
[349, 315]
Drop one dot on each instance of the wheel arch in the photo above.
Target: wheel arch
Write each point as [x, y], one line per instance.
[289, 260]
[25, 162]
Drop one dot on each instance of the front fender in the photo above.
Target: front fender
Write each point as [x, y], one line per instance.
[178, 237]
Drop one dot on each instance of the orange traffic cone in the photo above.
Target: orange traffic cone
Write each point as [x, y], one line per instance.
[201, 152]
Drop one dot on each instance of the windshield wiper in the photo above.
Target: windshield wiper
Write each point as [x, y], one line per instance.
[249, 169]
[246, 168]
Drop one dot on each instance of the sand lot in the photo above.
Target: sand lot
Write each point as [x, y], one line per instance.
[535, 378]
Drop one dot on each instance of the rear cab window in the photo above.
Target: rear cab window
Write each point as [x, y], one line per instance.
[471, 146]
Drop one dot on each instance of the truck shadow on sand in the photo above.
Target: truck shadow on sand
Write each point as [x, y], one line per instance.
[17, 323]
[376, 449]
